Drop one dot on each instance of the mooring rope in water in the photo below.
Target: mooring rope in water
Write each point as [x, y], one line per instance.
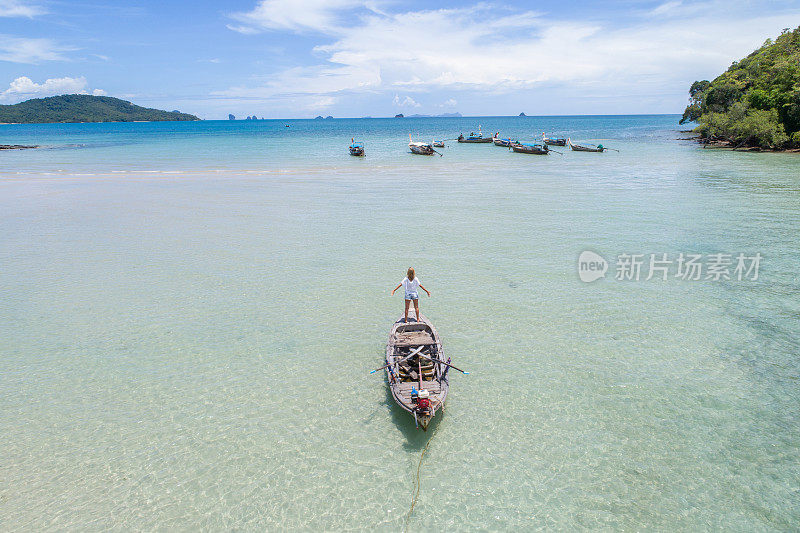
[419, 465]
[416, 483]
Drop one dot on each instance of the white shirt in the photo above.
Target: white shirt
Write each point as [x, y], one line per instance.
[411, 287]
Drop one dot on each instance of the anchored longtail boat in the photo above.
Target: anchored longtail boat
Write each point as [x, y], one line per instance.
[438, 144]
[524, 148]
[416, 369]
[356, 149]
[553, 141]
[503, 142]
[473, 138]
[586, 148]
[420, 148]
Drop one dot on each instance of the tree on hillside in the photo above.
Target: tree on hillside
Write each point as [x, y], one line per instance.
[756, 102]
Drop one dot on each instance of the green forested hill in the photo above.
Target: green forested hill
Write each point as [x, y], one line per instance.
[756, 102]
[83, 108]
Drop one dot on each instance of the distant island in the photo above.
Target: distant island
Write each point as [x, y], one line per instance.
[523, 115]
[83, 108]
[443, 115]
[756, 102]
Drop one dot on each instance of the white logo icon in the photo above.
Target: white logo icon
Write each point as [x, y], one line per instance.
[591, 266]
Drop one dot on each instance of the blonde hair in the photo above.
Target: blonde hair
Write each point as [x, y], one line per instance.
[410, 274]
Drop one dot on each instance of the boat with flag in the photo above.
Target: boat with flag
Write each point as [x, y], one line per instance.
[356, 148]
[526, 148]
[552, 141]
[474, 138]
[587, 147]
[421, 147]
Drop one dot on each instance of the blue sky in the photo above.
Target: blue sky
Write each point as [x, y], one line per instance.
[352, 58]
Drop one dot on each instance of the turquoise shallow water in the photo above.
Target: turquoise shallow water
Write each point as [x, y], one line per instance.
[189, 313]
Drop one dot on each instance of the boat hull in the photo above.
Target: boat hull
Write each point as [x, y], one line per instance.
[556, 142]
[581, 148]
[528, 150]
[475, 140]
[585, 149]
[424, 149]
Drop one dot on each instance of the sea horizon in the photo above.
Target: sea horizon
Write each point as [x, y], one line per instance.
[237, 119]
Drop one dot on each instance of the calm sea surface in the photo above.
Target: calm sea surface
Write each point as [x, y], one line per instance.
[189, 313]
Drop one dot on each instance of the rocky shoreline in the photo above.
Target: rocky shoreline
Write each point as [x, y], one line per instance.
[727, 145]
[724, 144]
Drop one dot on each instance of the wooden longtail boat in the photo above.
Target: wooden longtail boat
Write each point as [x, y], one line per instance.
[503, 142]
[421, 148]
[585, 148]
[479, 138]
[356, 149]
[536, 149]
[438, 144]
[553, 142]
[416, 369]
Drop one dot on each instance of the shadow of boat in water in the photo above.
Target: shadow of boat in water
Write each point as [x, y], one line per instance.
[416, 438]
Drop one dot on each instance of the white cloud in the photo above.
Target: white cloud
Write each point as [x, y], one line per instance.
[405, 102]
[322, 102]
[314, 80]
[465, 47]
[24, 50]
[484, 49]
[308, 15]
[451, 102]
[15, 8]
[666, 7]
[24, 88]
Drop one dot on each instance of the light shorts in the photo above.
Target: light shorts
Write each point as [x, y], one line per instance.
[412, 296]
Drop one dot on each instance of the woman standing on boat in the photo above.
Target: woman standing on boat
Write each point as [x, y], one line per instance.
[411, 285]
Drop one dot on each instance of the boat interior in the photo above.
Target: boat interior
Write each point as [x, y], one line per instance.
[413, 334]
[408, 338]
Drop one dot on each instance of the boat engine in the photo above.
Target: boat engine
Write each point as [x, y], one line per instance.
[422, 400]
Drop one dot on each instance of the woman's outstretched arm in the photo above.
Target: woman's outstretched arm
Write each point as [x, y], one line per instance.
[399, 287]
[426, 290]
